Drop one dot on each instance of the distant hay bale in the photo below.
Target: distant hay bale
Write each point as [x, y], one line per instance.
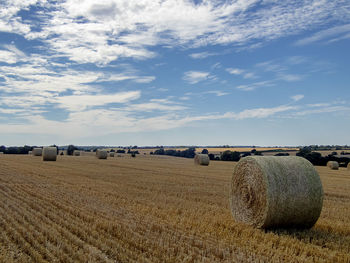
[111, 154]
[30, 152]
[76, 153]
[37, 151]
[269, 191]
[201, 159]
[101, 154]
[1, 152]
[49, 154]
[333, 165]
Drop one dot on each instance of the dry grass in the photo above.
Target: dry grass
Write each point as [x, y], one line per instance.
[150, 209]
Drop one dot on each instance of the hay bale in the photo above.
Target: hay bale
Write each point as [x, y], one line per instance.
[269, 191]
[349, 166]
[76, 153]
[101, 154]
[201, 159]
[37, 151]
[49, 154]
[111, 154]
[333, 165]
[1, 152]
[30, 152]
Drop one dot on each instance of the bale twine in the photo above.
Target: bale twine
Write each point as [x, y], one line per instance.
[76, 153]
[333, 165]
[37, 151]
[30, 152]
[201, 159]
[268, 191]
[101, 154]
[49, 153]
[111, 154]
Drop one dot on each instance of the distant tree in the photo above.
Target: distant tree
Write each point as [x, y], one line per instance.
[159, 151]
[246, 154]
[71, 148]
[205, 151]
[258, 153]
[230, 156]
[112, 150]
[253, 151]
[120, 151]
[211, 156]
[282, 154]
[2, 148]
[334, 153]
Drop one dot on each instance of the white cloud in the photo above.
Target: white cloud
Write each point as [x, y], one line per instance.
[194, 77]
[297, 97]
[90, 32]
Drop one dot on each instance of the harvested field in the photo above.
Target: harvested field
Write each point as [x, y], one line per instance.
[150, 209]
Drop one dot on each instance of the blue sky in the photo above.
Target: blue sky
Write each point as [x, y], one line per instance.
[174, 72]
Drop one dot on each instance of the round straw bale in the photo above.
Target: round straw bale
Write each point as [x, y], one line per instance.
[101, 154]
[30, 152]
[333, 165]
[201, 159]
[1, 152]
[37, 151]
[269, 192]
[49, 153]
[111, 154]
[76, 153]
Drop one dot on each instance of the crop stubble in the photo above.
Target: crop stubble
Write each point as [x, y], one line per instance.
[150, 209]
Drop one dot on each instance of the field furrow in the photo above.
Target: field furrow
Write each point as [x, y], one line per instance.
[150, 209]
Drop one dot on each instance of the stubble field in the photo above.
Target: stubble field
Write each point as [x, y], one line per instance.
[150, 209]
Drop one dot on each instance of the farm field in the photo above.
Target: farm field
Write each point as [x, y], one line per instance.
[150, 209]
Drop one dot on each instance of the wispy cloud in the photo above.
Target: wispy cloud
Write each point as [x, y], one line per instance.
[218, 93]
[244, 73]
[330, 35]
[194, 77]
[255, 85]
[297, 97]
[202, 55]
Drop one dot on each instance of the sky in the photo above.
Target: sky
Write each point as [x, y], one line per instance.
[174, 72]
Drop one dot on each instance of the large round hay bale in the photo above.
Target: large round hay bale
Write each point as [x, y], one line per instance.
[269, 191]
[30, 152]
[101, 154]
[76, 153]
[49, 153]
[333, 165]
[37, 151]
[111, 154]
[201, 159]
